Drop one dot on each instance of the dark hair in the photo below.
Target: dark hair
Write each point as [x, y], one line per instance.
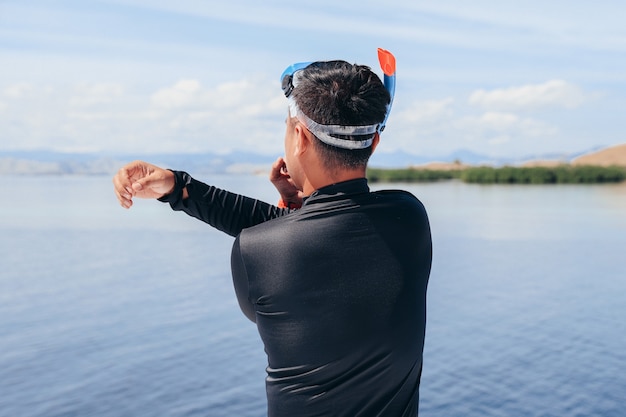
[339, 93]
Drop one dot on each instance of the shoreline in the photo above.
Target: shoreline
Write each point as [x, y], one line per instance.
[556, 174]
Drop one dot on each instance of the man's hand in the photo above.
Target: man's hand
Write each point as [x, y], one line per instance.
[143, 180]
[284, 184]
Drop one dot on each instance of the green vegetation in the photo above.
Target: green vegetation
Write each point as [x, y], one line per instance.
[562, 174]
[409, 175]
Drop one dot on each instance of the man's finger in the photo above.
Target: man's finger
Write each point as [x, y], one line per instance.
[124, 198]
[146, 182]
[122, 183]
[278, 169]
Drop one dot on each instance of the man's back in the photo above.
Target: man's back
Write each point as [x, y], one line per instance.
[338, 289]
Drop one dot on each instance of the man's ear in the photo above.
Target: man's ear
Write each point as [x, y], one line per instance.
[375, 141]
[303, 140]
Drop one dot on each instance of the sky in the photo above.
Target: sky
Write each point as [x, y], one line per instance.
[498, 78]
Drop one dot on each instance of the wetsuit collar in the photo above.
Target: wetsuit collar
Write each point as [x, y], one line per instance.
[356, 186]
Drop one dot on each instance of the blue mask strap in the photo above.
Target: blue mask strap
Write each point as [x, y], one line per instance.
[286, 79]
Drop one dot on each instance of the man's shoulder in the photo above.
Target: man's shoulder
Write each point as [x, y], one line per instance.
[390, 200]
[394, 192]
[401, 196]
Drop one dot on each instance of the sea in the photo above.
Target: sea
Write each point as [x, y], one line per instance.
[109, 312]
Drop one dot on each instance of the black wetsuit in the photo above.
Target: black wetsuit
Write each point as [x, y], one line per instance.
[337, 290]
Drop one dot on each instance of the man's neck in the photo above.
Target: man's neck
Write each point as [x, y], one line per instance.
[313, 184]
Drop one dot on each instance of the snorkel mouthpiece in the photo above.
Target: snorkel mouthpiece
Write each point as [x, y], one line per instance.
[328, 133]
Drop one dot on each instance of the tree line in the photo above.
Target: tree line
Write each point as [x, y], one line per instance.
[561, 174]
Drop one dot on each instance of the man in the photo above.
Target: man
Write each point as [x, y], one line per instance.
[335, 276]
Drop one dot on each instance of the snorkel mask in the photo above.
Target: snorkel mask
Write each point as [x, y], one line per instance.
[334, 134]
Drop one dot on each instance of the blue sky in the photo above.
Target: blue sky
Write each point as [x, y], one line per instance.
[501, 78]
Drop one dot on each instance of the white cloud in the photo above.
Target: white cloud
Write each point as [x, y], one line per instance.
[233, 115]
[431, 126]
[499, 140]
[235, 94]
[234, 109]
[442, 22]
[181, 94]
[424, 112]
[129, 98]
[19, 90]
[243, 98]
[505, 122]
[418, 124]
[495, 121]
[554, 93]
[87, 95]
[185, 116]
[497, 129]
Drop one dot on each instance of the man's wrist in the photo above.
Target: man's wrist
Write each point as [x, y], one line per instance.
[173, 188]
[179, 191]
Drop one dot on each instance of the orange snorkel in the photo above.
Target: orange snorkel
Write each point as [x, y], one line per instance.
[388, 65]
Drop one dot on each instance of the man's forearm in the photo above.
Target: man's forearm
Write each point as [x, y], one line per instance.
[226, 211]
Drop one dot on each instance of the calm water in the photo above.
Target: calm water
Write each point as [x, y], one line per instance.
[108, 312]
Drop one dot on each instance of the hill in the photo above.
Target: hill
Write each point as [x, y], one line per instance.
[614, 155]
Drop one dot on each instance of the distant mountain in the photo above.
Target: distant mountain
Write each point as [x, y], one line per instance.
[59, 163]
[396, 159]
[51, 163]
[402, 159]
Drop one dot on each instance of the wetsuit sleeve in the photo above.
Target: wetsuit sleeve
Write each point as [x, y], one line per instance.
[226, 211]
[240, 282]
